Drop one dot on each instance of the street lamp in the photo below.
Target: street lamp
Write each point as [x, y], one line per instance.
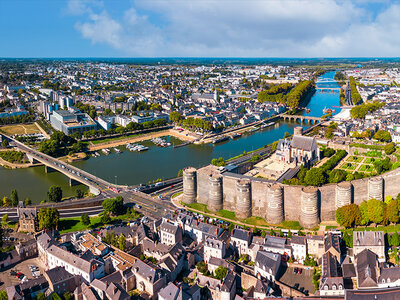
[115, 179]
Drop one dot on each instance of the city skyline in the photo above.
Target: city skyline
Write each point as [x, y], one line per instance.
[91, 28]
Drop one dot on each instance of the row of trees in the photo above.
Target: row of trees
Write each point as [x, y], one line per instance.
[12, 156]
[322, 175]
[299, 93]
[17, 119]
[355, 95]
[275, 93]
[371, 211]
[197, 123]
[360, 111]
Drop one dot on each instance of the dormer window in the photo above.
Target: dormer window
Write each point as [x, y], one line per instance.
[334, 287]
[326, 287]
[383, 280]
[388, 280]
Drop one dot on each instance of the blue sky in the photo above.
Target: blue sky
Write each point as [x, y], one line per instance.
[199, 28]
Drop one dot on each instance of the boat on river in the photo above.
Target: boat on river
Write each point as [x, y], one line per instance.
[220, 139]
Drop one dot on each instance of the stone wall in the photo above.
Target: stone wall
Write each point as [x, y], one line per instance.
[292, 195]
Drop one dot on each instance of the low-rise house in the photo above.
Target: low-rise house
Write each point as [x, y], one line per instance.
[89, 242]
[372, 240]
[332, 245]
[389, 277]
[73, 264]
[149, 278]
[170, 234]
[173, 261]
[44, 241]
[315, 245]
[255, 246]
[241, 240]
[27, 249]
[117, 260]
[214, 248]
[225, 290]
[28, 219]
[61, 281]
[28, 289]
[277, 245]
[332, 283]
[214, 263]
[179, 292]
[115, 291]
[299, 247]
[267, 265]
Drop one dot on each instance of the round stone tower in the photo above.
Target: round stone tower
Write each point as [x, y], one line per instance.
[243, 200]
[215, 193]
[275, 204]
[189, 185]
[343, 194]
[298, 130]
[309, 207]
[375, 188]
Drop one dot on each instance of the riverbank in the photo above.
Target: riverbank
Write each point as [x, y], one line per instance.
[74, 157]
[10, 165]
[184, 136]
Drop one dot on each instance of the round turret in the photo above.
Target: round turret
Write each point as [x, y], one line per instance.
[309, 207]
[189, 185]
[243, 200]
[275, 204]
[298, 130]
[215, 194]
[343, 194]
[375, 188]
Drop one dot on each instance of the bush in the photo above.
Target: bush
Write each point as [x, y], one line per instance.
[333, 161]
[315, 177]
[390, 148]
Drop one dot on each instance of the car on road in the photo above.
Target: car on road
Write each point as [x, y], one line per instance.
[296, 286]
[295, 271]
[138, 206]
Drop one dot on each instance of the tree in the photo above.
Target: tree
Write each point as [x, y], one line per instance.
[48, 218]
[390, 148]
[337, 176]
[329, 133]
[14, 197]
[394, 240]
[6, 201]
[85, 219]
[121, 242]
[79, 194]
[364, 213]
[5, 219]
[27, 201]
[175, 117]
[348, 215]
[55, 193]
[202, 267]
[315, 177]
[3, 295]
[375, 211]
[220, 273]
[114, 205]
[67, 296]
[392, 210]
[383, 136]
[40, 296]
[5, 143]
[348, 239]
[105, 218]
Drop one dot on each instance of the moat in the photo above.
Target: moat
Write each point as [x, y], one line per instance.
[134, 168]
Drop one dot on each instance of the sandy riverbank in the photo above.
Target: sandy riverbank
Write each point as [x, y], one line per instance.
[74, 157]
[141, 138]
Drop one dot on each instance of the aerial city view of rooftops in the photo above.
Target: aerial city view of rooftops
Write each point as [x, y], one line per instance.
[152, 167]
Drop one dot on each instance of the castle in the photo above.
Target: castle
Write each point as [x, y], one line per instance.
[249, 196]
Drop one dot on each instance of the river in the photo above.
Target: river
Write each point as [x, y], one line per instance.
[134, 168]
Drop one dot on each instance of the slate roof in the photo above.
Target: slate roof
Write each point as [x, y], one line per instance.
[332, 241]
[241, 234]
[301, 240]
[147, 270]
[368, 238]
[366, 268]
[389, 274]
[271, 261]
[303, 142]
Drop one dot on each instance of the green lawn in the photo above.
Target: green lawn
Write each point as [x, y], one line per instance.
[356, 159]
[369, 160]
[349, 166]
[291, 225]
[226, 214]
[114, 139]
[386, 229]
[366, 168]
[75, 224]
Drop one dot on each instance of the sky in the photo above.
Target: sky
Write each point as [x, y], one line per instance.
[199, 28]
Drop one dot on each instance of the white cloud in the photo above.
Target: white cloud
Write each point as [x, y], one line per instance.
[245, 28]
